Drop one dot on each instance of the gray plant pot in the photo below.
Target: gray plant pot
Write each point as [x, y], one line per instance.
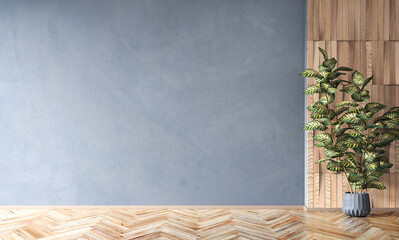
[356, 205]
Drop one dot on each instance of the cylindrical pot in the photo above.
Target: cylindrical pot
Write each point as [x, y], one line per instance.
[356, 205]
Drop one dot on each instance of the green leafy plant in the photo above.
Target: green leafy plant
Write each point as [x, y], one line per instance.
[352, 132]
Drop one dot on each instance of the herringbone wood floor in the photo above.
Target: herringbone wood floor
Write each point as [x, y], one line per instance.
[193, 224]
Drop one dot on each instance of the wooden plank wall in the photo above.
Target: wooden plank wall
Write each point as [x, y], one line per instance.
[364, 35]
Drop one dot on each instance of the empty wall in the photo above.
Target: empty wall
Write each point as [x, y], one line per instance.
[151, 102]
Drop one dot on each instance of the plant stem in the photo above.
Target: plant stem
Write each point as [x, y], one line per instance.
[350, 188]
[333, 138]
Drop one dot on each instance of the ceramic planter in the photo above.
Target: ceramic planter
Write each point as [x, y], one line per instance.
[356, 205]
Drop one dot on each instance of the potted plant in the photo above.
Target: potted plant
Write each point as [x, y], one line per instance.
[352, 132]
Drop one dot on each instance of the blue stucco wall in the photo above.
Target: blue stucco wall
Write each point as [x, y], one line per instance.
[151, 102]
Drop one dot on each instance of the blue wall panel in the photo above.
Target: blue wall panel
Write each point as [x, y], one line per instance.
[151, 102]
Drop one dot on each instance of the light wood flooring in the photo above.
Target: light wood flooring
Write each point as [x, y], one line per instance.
[193, 224]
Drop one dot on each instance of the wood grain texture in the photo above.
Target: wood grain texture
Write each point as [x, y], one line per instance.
[372, 20]
[363, 35]
[109, 224]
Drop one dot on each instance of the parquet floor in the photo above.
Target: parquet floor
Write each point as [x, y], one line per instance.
[193, 224]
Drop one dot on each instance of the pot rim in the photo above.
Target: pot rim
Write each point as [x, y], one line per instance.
[357, 193]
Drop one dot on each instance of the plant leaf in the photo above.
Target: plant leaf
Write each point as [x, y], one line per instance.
[357, 78]
[324, 139]
[314, 125]
[354, 133]
[356, 177]
[324, 52]
[350, 89]
[354, 110]
[331, 89]
[351, 118]
[351, 156]
[366, 82]
[313, 89]
[318, 116]
[360, 128]
[360, 97]
[384, 162]
[330, 63]
[373, 106]
[326, 99]
[334, 166]
[322, 160]
[318, 107]
[391, 115]
[311, 73]
[394, 109]
[375, 183]
[333, 154]
[335, 83]
[351, 143]
[374, 175]
[371, 167]
[341, 110]
[347, 69]
[347, 102]
[370, 156]
[351, 159]
[385, 139]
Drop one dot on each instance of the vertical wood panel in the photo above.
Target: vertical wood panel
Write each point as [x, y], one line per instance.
[396, 23]
[316, 195]
[386, 19]
[339, 19]
[392, 190]
[309, 20]
[380, 19]
[333, 192]
[333, 20]
[364, 35]
[327, 190]
[316, 23]
[397, 189]
[392, 20]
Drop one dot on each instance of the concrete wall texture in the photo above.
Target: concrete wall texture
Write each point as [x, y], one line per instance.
[151, 102]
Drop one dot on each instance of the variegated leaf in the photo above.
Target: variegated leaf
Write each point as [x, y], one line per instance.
[347, 69]
[322, 160]
[318, 107]
[347, 103]
[318, 116]
[314, 125]
[351, 118]
[351, 143]
[357, 97]
[334, 166]
[356, 177]
[311, 73]
[354, 133]
[324, 139]
[370, 156]
[312, 89]
[357, 78]
[330, 63]
[327, 99]
[333, 154]
[366, 82]
[375, 183]
[350, 89]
